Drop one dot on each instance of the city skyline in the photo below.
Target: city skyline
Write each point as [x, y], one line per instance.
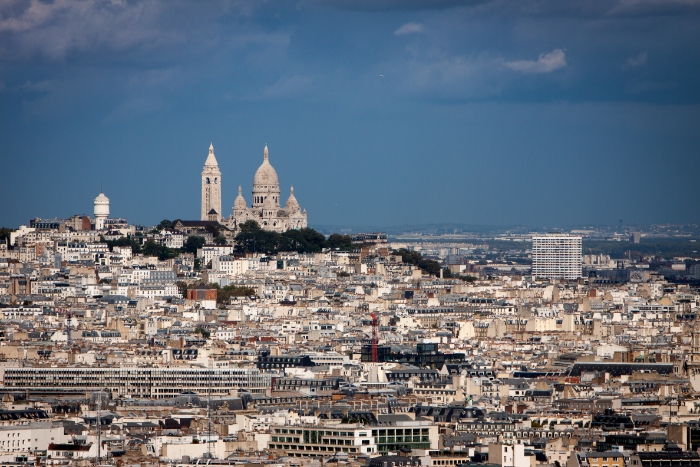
[385, 113]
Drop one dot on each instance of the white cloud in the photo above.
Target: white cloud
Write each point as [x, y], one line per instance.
[409, 28]
[135, 107]
[653, 7]
[55, 29]
[545, 63]
[441, 75]
[639, 60]
[285, 87]
[41, 86]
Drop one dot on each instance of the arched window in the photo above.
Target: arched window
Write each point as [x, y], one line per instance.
[207, 180]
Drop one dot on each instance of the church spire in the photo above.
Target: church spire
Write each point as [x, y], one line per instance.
[211, 186]
[211, 158]
[265, 154]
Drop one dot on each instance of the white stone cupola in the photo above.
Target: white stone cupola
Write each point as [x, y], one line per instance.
[265, 183]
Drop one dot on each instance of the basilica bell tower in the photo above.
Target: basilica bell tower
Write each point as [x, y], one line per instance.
[211, 188]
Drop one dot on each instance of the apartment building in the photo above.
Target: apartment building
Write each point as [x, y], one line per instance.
[142, 382]
[556, 256]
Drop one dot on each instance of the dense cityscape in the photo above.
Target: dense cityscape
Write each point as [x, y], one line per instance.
[256, 340]
[355, 233]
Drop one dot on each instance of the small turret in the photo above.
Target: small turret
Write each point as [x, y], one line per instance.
[239, 202]
[292, 203]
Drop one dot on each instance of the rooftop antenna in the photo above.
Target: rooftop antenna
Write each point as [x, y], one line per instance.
[375, 338]
[99, 431]
[211, 375]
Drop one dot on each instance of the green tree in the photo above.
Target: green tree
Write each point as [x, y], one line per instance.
[253, 239]
[409, 257]
[151, 248]
[220, 240]
[468, 278]
[257, 241]
[224, 294]
[315, 241]
[293, 240]
[213, 229]
[342, 242]
[193, 243]
[430, 266]
[165, 224]
[123, 241]
[182, 288]
[249, 226]
[5, 235]
[203, 332]
[304, 240]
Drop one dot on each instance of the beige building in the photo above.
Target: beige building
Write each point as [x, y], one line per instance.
[266, 209]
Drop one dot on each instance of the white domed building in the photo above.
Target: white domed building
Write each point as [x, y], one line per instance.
[266, 209]
[101, 210]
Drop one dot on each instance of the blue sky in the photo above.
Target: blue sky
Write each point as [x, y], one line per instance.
[535, 112]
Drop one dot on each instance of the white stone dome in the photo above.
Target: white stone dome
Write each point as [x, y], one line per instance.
[266, 176]
[292, 203]
[101, 205]
[239, 202]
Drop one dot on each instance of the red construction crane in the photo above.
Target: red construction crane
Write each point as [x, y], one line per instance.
[375, 338]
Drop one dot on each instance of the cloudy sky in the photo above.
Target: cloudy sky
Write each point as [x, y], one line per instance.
[382, 112]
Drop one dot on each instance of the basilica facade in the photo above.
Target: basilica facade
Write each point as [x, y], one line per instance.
[265, 208]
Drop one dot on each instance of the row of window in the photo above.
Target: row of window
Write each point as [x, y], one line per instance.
[329, 441]
[318, 433]
[450, 461]
[288, 447]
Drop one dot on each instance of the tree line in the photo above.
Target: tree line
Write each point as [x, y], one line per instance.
[151, 248]
[223, 294]
[429, 266]
[253, 239]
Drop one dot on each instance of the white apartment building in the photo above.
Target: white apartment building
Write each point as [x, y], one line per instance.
[34, 436]
[230, 265]
[329, 358]
[556, 256]
[150, 382]
[508, 455]
[208, 252]
[314, 441]
[225, 334]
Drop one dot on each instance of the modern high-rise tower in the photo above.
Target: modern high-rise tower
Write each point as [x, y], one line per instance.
[556, 256]
[211, 188]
